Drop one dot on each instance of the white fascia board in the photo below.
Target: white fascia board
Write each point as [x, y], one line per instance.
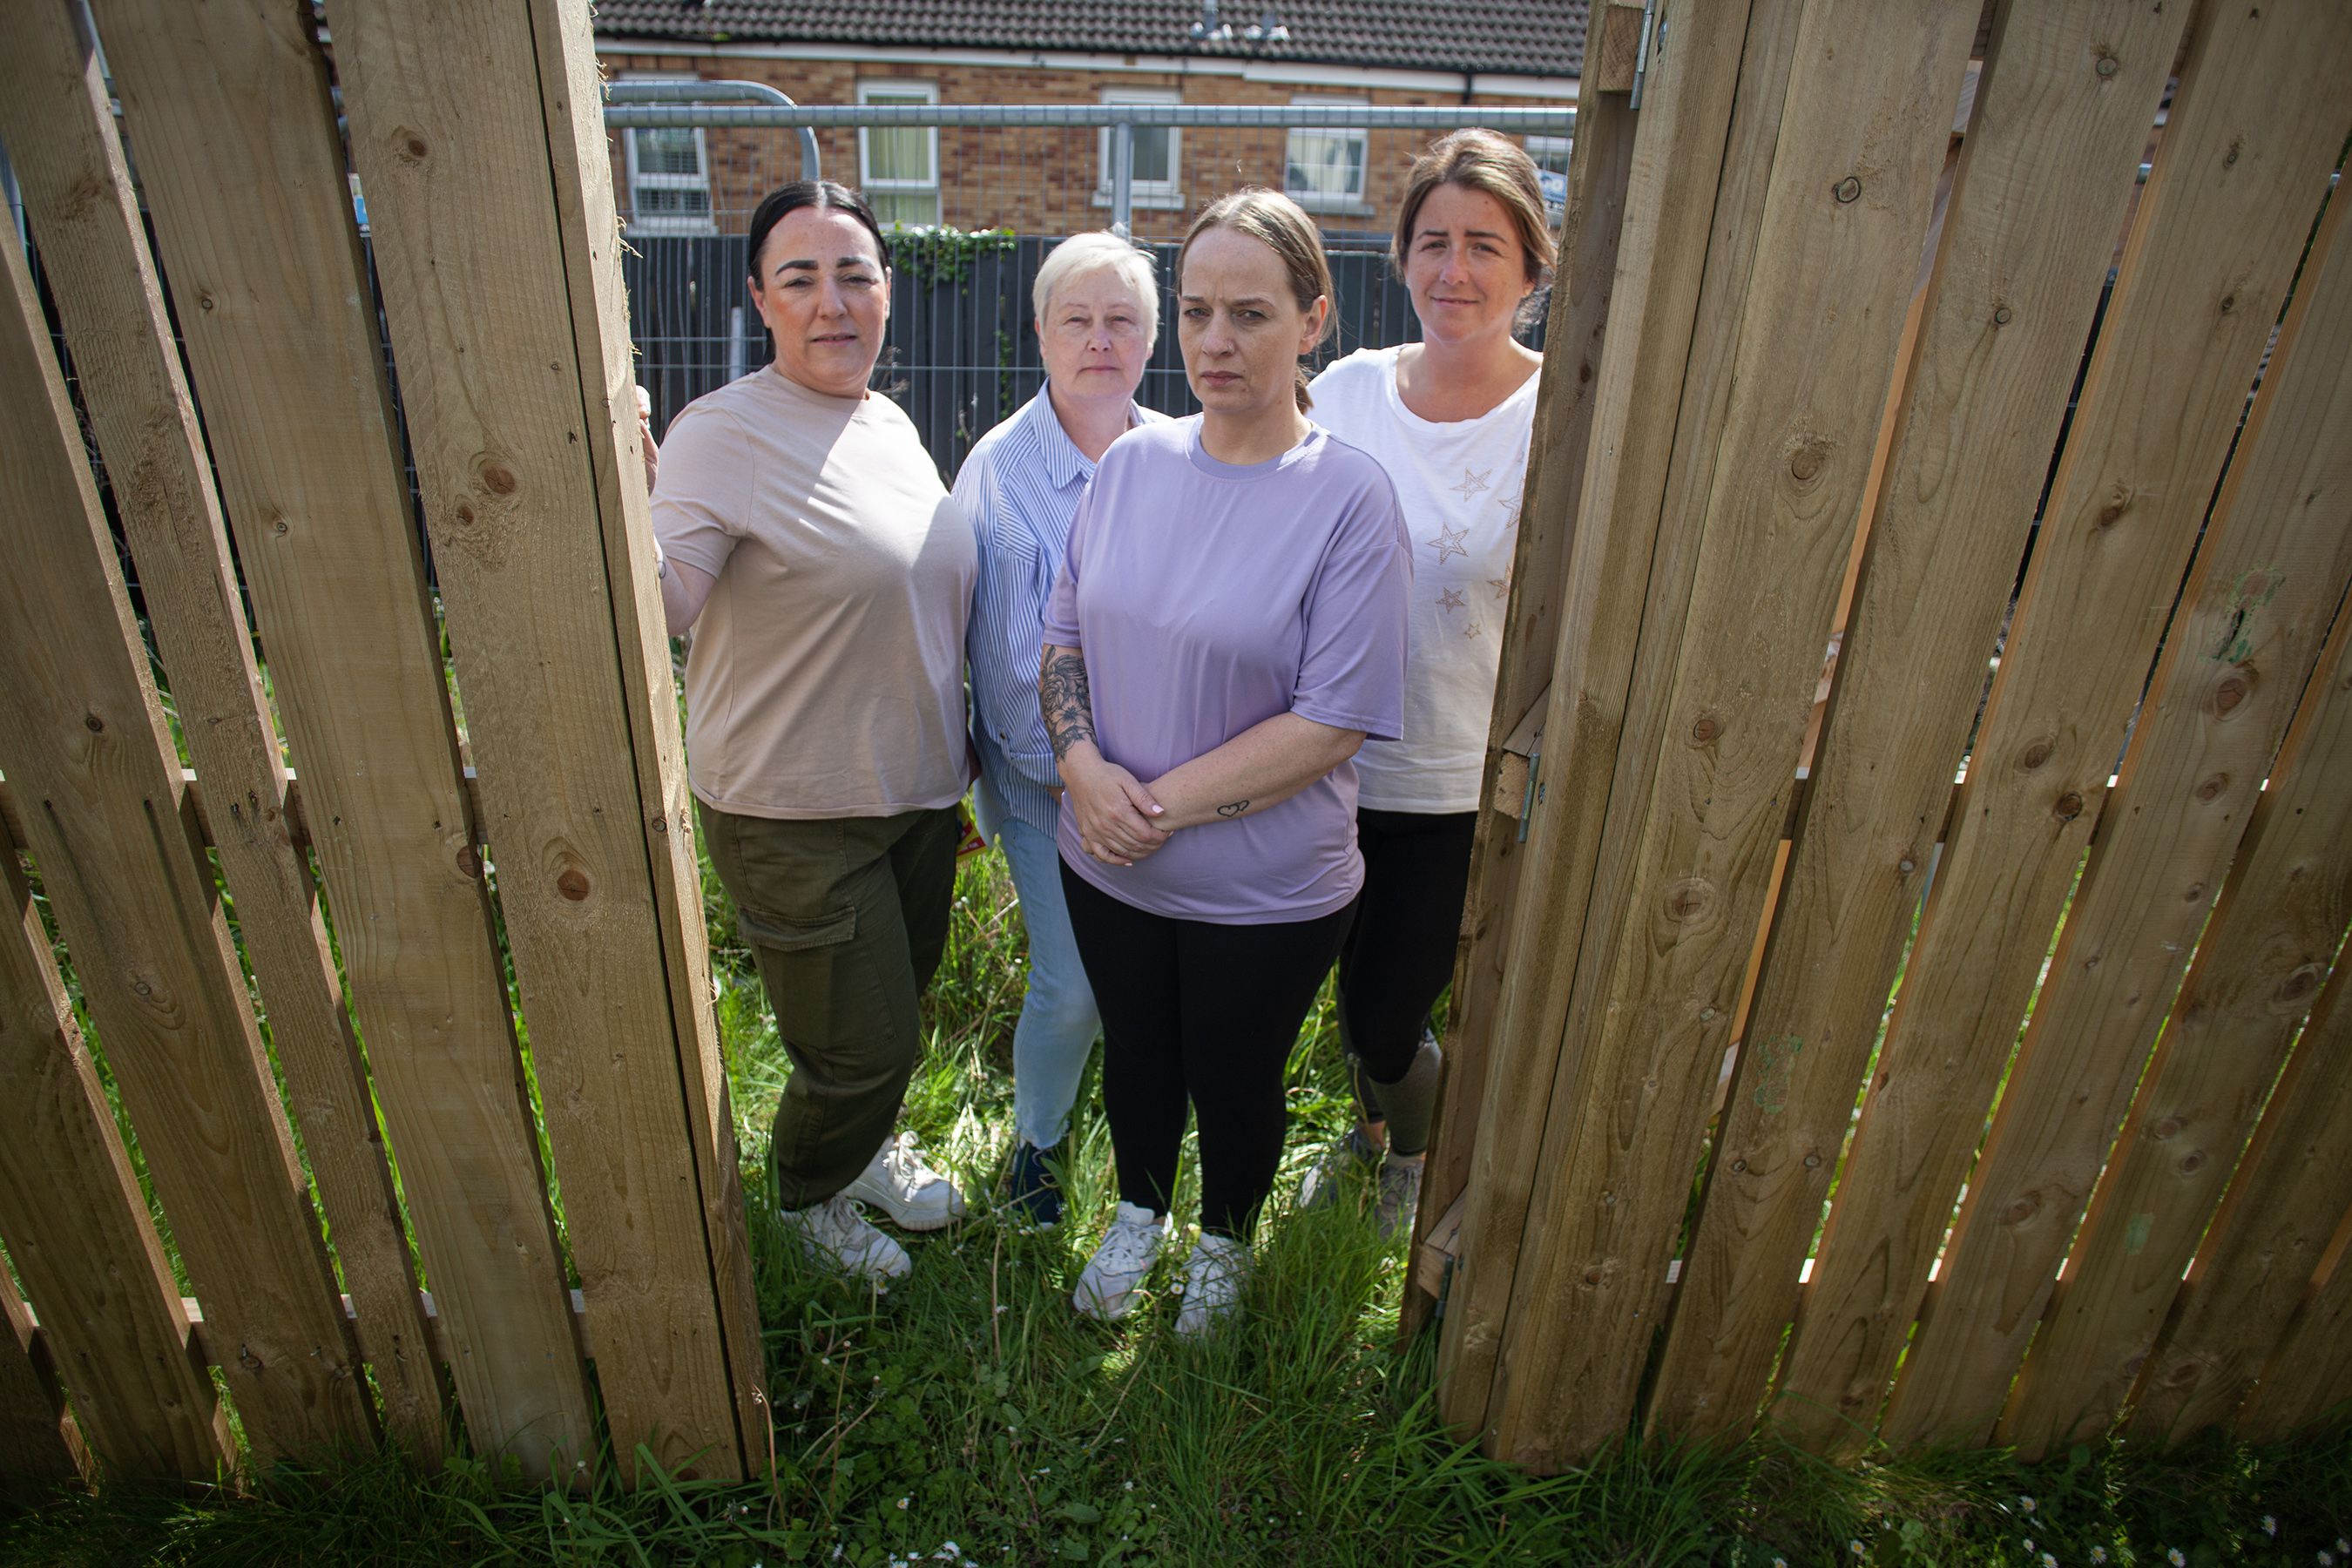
[1548, 88]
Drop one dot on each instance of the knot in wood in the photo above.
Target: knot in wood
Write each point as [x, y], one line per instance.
[1848, 189]
[93, 724]
[2027, 1206]
[572, 884]
[1688, 900]
[409, 147]
[2036, 752]
[497, 478]
[1705, 731]
[2119, 501]
[469, 861]
[2228, 692]
[2069, 806]
[2196, 890]
[2302, 982]
[2211, 788]
[2164, 1129]
[2192, 1162]
[1806, 461]
[205, 302]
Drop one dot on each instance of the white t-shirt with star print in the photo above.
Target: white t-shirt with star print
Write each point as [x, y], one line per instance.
[1459, 485]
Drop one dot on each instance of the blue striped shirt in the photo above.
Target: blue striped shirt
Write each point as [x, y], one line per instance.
[1020, 487]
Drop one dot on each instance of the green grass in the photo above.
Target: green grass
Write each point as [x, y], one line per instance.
[967, 1404]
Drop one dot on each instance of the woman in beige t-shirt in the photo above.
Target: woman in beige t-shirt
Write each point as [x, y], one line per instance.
[827, 575]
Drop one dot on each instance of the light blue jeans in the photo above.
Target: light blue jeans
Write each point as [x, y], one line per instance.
[1058, 1020]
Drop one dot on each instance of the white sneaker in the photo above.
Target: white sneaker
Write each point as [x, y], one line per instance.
[1127, 1250]
[1212, 1283]
[903, 1184]
[835, 1232]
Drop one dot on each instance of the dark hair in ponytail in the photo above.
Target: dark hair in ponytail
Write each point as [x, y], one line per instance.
[1280, 223]
[825, 196]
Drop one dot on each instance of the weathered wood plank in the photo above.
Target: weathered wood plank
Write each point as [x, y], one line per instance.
[2308, 1387]
[1850, 188]
[2258, 967]
[228, 108]
[1668, 271]
[2257, 1262]
[1613, 48]
[2253, 133]
[1599, 169]
[59, 123]
[581, 160]
[41, 1445]
[2276, 559]
[471, 251]
[116, 1330]
[82, 735]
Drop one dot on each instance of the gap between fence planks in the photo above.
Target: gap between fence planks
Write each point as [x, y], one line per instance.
[82, 735]
[1599, 169]
[2274, 565]
[59, 123]
[2258, 966]
[145, 1407]
[41, 1445]
[1664, 253]
[581, 160]
[471, 253]
[2244, 162]
[2045, 171]
[1688, 862]
[2255, 1266]
[228, 110]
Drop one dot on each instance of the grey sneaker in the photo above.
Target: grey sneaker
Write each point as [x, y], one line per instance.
[1350, 1157]
[1212, 1283]
[898, 1181]
[1399, 1194]
[834, 1232]
[1125, 1255]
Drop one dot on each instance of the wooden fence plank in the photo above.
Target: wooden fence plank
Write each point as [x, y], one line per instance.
[2308, 1386]
[581, 159]
[1669, 270]
[2257, 1262]
[471, 253]
[112, 1311]
[1599, 171]
[83, 739]
[2048, 165]
[228, 110]
[40, 1445]
[2260, 964]
[57, 120]
[2276, 559]
[1850, 188]
[2244, 162]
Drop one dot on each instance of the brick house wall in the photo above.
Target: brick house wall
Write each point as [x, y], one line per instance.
[1037, 180]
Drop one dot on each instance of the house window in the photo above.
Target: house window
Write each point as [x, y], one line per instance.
[899, 165]
[1159, 152]
[669, 177]
[1551, 154]
[1323, 168]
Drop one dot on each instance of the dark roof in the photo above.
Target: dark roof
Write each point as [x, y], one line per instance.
[1527, 37]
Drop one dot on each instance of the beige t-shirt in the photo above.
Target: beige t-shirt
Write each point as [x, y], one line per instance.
[827, 675]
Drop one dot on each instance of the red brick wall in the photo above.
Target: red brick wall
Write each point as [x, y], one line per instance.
[1034, 180]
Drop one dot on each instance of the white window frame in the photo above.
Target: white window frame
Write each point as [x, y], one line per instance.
[893, 87]
[1166, 195]
[669, 223]
[1323, 201]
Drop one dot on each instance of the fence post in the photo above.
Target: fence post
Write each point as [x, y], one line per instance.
[1122, 179]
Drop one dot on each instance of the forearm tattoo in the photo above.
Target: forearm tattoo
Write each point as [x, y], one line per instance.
[1064, 699]
[1233, 808]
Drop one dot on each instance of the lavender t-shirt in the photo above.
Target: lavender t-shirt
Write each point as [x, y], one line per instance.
[1209, 598]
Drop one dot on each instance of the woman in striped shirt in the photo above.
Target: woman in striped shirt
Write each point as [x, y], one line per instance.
[1097, 317]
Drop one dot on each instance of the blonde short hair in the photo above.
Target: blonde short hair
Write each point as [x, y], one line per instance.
[1283, 226]
[1479, 160]
[1100, 250]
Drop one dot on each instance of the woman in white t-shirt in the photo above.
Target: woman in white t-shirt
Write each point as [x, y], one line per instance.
[1449, 418]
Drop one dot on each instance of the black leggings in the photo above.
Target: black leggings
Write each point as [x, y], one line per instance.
[1198, 1014]
[1399, 954]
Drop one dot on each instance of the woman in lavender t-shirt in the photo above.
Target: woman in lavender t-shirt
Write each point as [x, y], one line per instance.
[1228, 627]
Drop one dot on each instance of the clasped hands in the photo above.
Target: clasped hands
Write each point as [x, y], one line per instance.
[1116, 812]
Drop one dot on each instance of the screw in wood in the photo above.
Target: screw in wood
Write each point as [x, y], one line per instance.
[1848, 189]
